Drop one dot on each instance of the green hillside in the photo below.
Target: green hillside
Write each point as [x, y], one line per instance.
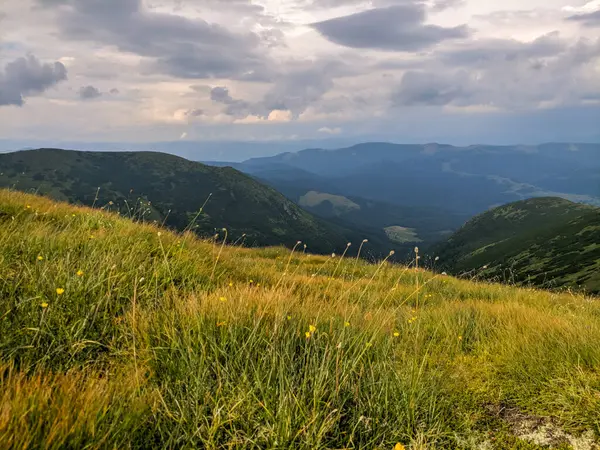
[165, 188]
[117, 335]
[547, 242]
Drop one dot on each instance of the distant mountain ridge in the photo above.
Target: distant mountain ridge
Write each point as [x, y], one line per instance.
[467, 180]
[427, 190]
[170, 189]
[545, 242]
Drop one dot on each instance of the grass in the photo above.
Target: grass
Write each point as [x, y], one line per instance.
[162, 340]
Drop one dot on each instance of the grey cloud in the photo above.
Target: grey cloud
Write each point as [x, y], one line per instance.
[114, 91]
[25, 77]
[505, 75]
[439, 89]
[194, 113]
[178, 46]
[301, 85]
[235, 107]
[220, 94]
[89, 93]
[298, 89]
[489, 50]
[588, 20]
[395, 28]
[441, 5]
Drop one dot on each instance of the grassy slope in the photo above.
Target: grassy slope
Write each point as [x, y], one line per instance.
[162, 340]
[161, 187]
[545, 241]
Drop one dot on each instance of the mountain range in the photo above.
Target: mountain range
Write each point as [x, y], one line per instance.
[396, 196]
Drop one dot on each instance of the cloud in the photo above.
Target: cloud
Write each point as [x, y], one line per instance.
[293, 91]
[28, 76]
[441, 5]
[423, 88]
[194, 113]
[235, 108]
[176, 45]
[507, 75]
[395, 28]
[279, 115]
[487, 51]
[114, 91]
[589, 20]
[327, 130]
[220, 94]
[89, 93]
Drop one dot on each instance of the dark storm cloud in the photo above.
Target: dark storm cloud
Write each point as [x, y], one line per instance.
[589, 20]
[28, 76]
[89, 93]
[396, 28]
[178, 46]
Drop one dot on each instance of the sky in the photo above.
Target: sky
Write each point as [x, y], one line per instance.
[455, 71]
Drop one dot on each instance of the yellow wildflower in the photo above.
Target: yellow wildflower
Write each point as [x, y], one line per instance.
[40, 258]
[60, 291]
[399, 446]
[460, 338]
[347, 324]
[44, 305]
[221, 324]
[307, 334]
[80, 273]
[312, 328]
[222, 299]
[396, 334]
[230, 284]
[289, 317]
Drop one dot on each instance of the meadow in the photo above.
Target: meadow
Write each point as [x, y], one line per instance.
[117, 335]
